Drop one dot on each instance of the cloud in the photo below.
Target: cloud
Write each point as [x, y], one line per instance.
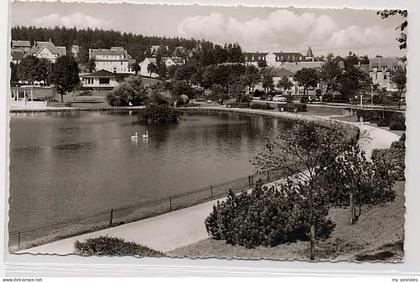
[284, 30]
[77, 19]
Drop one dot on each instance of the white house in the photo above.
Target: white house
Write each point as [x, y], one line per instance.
[380, 71]
[144, 67]
[99, 80]
[174, 61]
[47, 50]
[115, 60]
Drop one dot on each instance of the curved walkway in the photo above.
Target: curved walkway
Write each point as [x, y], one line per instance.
[186, 226]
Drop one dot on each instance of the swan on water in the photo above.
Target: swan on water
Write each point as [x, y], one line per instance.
[145, 135]
[135, 136]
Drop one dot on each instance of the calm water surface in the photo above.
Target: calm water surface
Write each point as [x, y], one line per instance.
[72, 164]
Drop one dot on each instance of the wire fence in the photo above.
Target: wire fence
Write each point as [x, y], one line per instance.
[27, 238]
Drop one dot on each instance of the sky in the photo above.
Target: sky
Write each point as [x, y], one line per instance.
[263, 29]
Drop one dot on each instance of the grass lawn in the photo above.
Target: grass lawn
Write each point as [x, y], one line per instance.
[378, 235]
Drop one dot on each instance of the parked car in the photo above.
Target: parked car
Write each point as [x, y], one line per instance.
[279, 98]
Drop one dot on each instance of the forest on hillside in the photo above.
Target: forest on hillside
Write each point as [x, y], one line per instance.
[137, 45]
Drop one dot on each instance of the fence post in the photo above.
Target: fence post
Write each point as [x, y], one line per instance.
[110, 217]
[170, 203]
[211, 191]
[19, 240]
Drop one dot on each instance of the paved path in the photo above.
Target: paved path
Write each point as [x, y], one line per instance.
[186, 226]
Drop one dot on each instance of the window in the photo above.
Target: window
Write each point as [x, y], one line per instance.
[104, 81]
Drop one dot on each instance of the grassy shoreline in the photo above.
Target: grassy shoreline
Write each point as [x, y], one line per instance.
[378, 236]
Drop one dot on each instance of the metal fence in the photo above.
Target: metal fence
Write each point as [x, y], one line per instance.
[27, 238]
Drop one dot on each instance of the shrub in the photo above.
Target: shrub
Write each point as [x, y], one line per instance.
[108, 246]
[393, 159]
[397, 125]
[159, 114]
[295, 107]
[128, 92]
[261, 106]
[264, 217]
[383, 122]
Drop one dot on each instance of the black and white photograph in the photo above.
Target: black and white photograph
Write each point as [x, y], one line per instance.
[192, 131]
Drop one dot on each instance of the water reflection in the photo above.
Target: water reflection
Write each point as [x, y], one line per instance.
[74, 163]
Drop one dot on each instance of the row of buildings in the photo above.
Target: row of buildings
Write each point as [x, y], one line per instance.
[116, 60]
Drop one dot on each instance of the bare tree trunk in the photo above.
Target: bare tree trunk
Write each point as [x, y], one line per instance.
[312, 250]
[62, 98]
[351, 217]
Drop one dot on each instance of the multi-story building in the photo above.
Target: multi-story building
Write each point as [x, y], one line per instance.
[380, 69]
[115, 60]
[46, 50]
[278, 59]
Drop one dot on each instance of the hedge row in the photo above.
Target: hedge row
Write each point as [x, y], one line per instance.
[108, 246]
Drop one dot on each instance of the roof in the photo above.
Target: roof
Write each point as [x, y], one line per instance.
[100, 73]
[17, 55]
[107, 52]
[280, 72]
[39, 45]
[294, 67]
[20, 43]
[380, 62]
[309, 53]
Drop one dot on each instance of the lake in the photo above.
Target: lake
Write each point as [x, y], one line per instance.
[70, 164]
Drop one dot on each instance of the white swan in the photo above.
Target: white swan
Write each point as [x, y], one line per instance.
[145, 135]
[135, 137]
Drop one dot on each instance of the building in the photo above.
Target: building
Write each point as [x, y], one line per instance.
[155, 48]
[279, 73]
[115, 60]
[99, 80]
[46, 50]
[21, 45]
[254, 58]
[174, 61]
[144, 67]
[380, 69]
[17, 56]
[278, 59]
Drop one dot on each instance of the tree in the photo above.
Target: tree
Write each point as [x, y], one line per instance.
[26, 70]
[14, 78]
[284, 83]
[252, 77]
[330, 72]
[218, 93]
[91, 65]
[130, 92]
[42, 70]
[151, 68]
[303, 153]
[267, 80]
[352, 81]
[136, 67]
[399, 78]
[262, 63]
[402, 39]
[65, 75]
[307, 78]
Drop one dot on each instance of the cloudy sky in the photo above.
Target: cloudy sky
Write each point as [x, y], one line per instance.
[254, 28]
